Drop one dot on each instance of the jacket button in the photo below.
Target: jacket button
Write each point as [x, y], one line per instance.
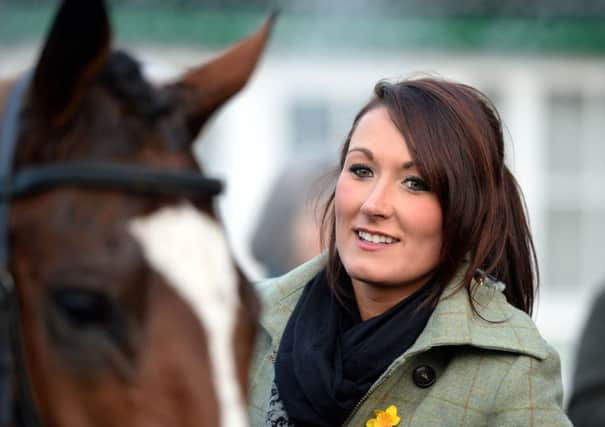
[424, 376]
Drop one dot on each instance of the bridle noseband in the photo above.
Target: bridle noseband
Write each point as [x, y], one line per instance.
[16, 401]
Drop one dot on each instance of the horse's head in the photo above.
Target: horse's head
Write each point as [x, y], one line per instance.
[131, 309]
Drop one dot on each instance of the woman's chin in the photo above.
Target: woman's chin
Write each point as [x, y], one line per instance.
[379, 278]
[371, 277]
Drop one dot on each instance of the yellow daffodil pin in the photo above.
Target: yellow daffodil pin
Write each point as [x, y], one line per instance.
[386, 418]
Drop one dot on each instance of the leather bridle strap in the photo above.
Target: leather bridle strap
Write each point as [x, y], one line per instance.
[9, 129]
[128, 178]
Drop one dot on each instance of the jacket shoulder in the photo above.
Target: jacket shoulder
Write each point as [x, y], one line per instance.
[493, 324]
[279, 295]
[517, 331]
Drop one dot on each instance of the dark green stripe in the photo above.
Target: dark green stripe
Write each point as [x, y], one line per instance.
[196, 27]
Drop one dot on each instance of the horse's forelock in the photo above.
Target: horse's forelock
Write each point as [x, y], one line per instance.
[123, 77]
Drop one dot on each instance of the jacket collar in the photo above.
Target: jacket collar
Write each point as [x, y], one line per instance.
[497, 325]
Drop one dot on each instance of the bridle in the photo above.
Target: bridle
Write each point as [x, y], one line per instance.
[16, 400]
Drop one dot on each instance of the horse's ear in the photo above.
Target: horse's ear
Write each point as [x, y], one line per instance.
[77, 46]
[216, 81]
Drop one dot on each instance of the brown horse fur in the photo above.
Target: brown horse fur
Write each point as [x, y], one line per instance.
[149, 364]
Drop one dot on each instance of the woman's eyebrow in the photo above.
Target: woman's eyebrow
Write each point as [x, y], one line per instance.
[410, 164]
[365, 151]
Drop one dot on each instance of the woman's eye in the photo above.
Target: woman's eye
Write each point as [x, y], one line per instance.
[416, 184]
[361, 171]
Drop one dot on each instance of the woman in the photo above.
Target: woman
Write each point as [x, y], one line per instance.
[402, 321]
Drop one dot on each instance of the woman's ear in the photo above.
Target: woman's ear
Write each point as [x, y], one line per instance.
[76, 48]
[210, 85]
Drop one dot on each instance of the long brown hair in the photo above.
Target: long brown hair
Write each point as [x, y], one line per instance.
[454, 135]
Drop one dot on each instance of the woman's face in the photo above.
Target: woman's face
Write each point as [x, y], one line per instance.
[388, 223]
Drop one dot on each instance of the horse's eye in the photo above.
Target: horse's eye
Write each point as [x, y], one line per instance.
[84, 308]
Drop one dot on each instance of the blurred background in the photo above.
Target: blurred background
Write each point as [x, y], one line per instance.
[541, 61]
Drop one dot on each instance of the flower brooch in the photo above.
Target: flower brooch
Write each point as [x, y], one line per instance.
[386, 418]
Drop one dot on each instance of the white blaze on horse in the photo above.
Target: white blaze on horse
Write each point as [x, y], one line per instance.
[127, 307]
[189, 250]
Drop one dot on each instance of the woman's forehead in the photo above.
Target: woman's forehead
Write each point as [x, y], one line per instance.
[376, 136]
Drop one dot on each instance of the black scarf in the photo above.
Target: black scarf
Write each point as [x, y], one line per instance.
[328, 358]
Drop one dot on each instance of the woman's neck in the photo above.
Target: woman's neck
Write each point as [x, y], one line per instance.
[375, 299]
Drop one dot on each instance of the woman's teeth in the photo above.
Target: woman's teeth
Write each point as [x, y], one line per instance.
[375, 238]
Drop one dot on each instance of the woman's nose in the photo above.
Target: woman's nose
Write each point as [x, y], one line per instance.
[378, 202]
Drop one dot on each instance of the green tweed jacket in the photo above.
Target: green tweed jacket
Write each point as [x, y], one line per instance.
[461, 371]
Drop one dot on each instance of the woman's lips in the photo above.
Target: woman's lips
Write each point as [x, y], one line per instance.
[373, 241]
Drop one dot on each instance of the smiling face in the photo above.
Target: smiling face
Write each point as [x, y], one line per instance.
[388, 223]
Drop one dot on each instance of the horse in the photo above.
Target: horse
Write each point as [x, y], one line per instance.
[121, 302]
